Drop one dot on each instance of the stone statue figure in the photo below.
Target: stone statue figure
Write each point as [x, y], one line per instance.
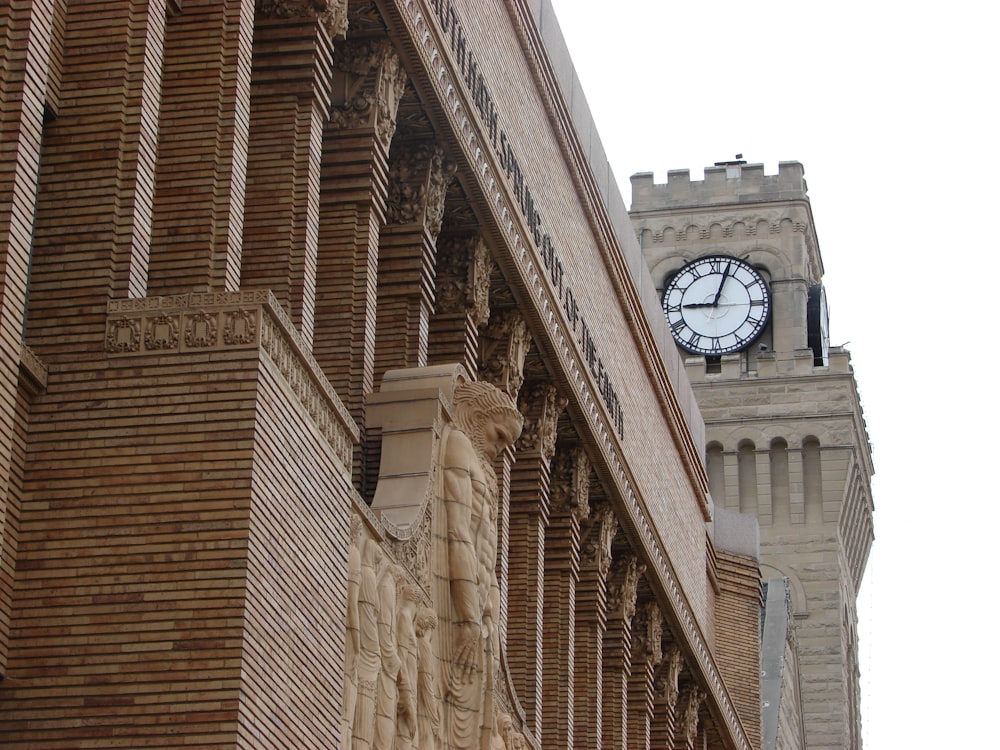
[428, 686]
[486, 422]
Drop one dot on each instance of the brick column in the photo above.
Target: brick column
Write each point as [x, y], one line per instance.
[647, 654]
[666, 691]
[94, 204]
[689, 703]
[418, 181]
[570, 490]
[529, 517]
[462, 307]
[617, 657]
[201, 163]
[368, 83]
[290, 104]
[591, 621]
[25, 60]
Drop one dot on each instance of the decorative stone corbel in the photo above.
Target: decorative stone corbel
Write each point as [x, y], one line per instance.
[418, 183]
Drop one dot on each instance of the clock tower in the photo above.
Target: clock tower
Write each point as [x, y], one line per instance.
[737, 262]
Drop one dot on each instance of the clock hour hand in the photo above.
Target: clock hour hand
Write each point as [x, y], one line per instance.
[696, 305]
[725, 275]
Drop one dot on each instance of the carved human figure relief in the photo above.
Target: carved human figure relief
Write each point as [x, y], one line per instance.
[368, 658]
[468, 592]
[408, 598]
[428, 684]
[353, 640]
[387, 691]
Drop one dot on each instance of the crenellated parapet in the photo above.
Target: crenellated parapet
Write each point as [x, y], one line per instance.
[732, 183]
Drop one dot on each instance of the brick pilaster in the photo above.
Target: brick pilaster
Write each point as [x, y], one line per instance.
[591, 622]
[529, 517]
[418, 179]
[617, 658]
[569, 504]
[94, 202]
[202, 156]
[646, 657]
[665, 695]
[289, 108]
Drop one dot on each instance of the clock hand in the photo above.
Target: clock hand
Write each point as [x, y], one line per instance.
[725, 275]
[696, 305]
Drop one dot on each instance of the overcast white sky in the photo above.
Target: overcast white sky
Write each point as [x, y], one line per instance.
[888, 105]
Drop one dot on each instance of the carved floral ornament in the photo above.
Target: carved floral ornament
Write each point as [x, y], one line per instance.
[570, 483]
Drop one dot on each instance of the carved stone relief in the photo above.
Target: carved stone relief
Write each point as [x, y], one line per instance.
[418, 183]
[464, 264]
[372, 85]
[505, 344]
[541, 405]
[331, 14]
[597, 549]
[423, 654]
[622, 594]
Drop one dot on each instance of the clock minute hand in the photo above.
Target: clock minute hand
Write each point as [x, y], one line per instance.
[725, 275]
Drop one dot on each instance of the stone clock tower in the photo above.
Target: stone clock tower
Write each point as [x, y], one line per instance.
[737, 262]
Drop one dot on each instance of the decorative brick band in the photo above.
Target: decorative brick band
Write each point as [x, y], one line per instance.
[199, 322]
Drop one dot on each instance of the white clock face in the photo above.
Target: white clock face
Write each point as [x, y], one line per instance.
[716, 305]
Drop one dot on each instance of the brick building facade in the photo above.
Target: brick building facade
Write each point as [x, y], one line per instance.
[255, 258]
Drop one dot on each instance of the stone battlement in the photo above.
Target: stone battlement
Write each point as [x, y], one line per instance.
[736, 183]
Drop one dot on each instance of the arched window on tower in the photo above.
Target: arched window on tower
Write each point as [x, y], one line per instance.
[812, 480]
[746, 461]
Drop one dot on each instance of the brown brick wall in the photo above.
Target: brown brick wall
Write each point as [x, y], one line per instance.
[128, 599]
[737, 643]
[296, 579]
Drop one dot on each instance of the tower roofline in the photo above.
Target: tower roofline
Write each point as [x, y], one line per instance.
[728, 183]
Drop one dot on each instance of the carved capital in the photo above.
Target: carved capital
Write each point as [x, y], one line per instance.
[418, 183]
[331, 14]
[597, 549]
[541, 406]
[505, 344]
[463, 277]
[671, 675]
[570, 484]
[647, 634]
[622, 593]
[689, 720]
[371, 85]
